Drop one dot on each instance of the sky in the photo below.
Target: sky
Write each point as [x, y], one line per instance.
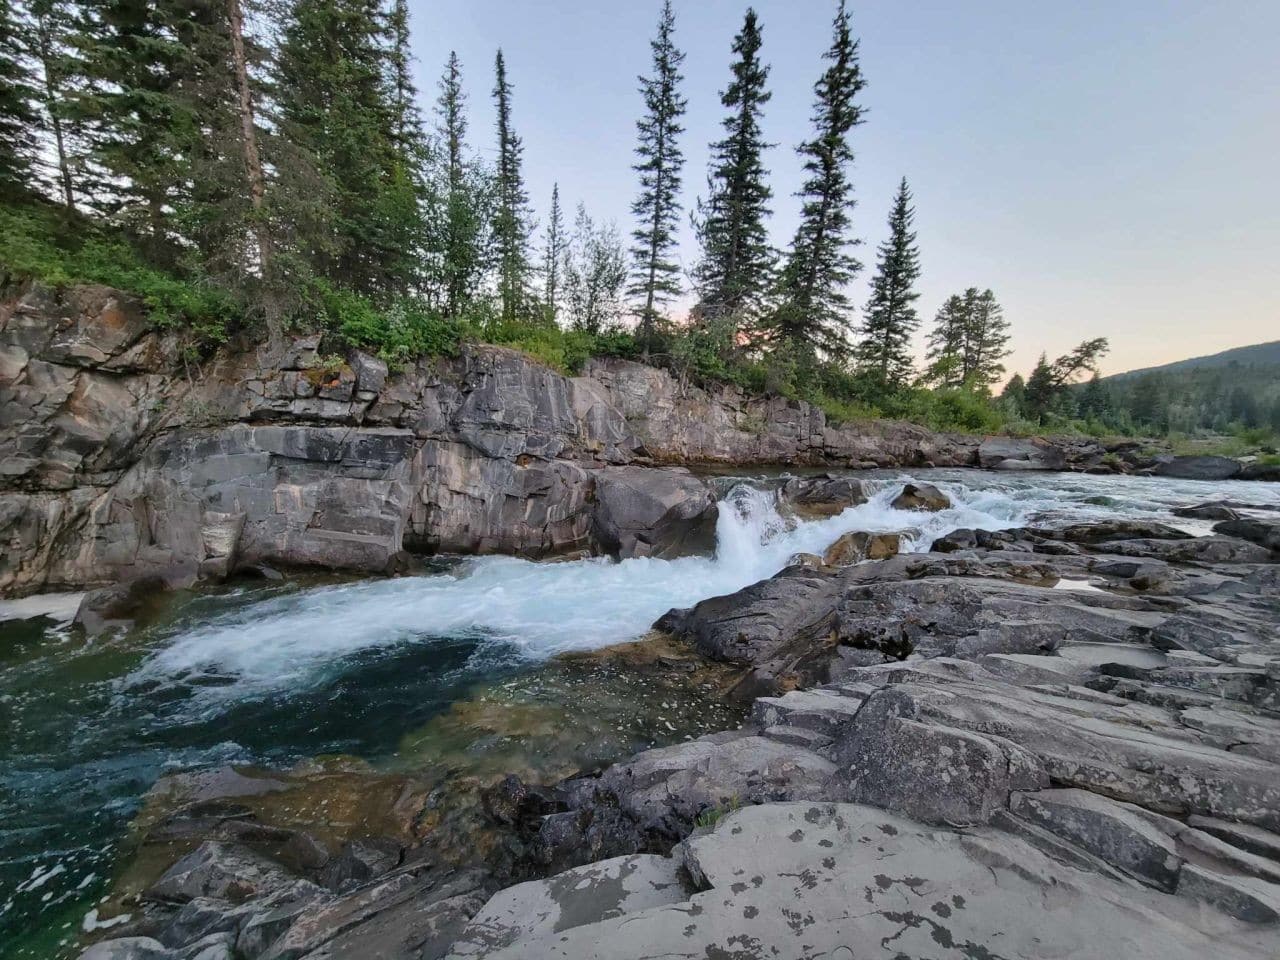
[1107, 168]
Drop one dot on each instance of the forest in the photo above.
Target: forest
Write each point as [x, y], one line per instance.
[258, 167]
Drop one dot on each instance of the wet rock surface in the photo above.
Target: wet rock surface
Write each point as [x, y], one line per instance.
[938, 739]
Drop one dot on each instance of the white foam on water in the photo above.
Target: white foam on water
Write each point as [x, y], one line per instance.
[539, 609]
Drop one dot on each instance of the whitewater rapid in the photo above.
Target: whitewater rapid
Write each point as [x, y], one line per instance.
[519, 608]
[534, 609]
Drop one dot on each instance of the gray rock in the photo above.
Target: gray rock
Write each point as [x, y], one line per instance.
[1245, 898]
[1106, 829]
[643, 512]
[1011, 453]
[1199, 468]
[1265, 533]
[921, 496]
[1213, 510]
[823, 496]
[128, 948]
[583, 895]
[803, 879]
[220, 871]
[688, 779]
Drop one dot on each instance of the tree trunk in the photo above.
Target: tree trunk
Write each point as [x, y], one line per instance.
[253, 165]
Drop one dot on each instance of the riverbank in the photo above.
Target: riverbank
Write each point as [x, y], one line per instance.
[125, 459]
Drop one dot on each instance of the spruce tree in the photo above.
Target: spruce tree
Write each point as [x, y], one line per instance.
[462, 195]
[813, 307]
[553, 253]
[737, 261]
[18, 117]
[338, 110]
[891, 315]
[947, 343]
[52, 24]
[511, 218]
[969, 341]
[1095, 400]
[141, 117]
[1040, 389]
[986, 339]
[655, 273]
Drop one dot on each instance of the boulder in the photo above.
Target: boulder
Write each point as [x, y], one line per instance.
[1198, 468]
[223, 871]
[855, 547]
[650, 512]
[116, 607]
[1212, 510]
[921, 496]
[1265, 533]
[1012, 453]
[823, 496]
[1119, 834]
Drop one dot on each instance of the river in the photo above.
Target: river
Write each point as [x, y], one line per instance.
[270, 674]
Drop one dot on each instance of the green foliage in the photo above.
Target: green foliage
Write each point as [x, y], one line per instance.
[713, 815]
[885, 350]
[42, 243]
[398, 334]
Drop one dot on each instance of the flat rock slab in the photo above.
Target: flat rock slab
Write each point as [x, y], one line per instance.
[843, 881]
[596, 892]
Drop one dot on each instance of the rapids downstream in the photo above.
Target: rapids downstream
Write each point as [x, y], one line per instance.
[274, 674]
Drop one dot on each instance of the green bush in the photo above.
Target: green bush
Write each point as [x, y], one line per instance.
[46, 244]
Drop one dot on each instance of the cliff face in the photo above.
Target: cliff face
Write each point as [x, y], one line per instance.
[118, 459]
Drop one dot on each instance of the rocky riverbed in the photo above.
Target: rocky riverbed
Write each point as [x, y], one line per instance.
[1042, 740]
[889, 705]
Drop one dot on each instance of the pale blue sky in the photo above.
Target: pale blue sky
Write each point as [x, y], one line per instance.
[1108, 168]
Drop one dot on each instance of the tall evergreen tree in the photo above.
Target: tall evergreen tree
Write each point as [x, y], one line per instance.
[891, 315]
[946, 340]
[337, 108]
[553, 253]
[463, 193]
[737, 261]
[52, 25]
[511, 219]
[655, 273]
[986, 339]
[969, 341]
[813, 306]
[1040, 389]
[140, 113]
[18, 117]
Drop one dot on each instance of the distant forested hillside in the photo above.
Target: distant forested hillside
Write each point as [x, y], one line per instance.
[1229, 392]
[1257, 355]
